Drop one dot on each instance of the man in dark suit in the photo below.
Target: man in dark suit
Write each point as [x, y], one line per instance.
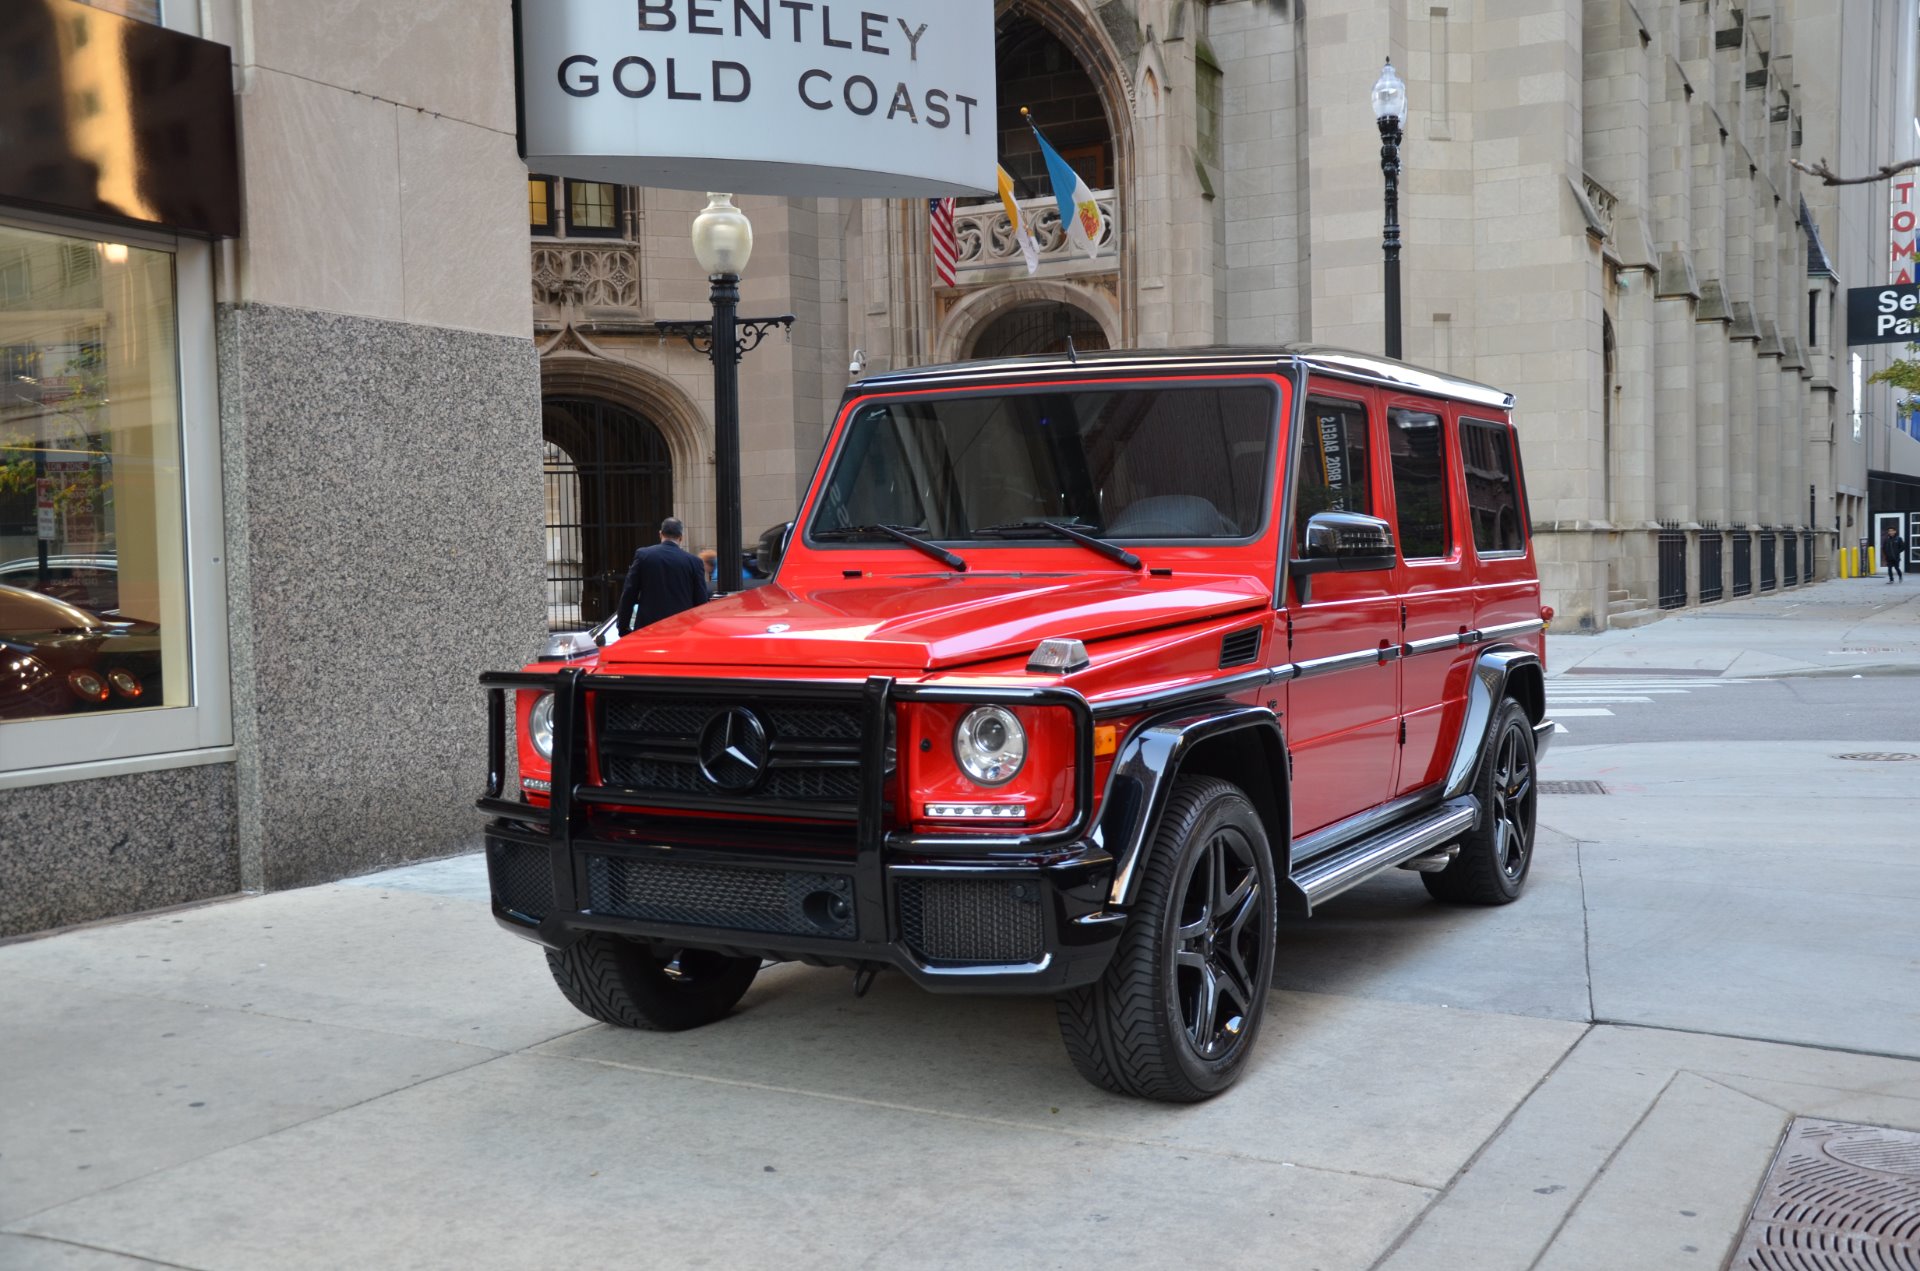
[663, 580]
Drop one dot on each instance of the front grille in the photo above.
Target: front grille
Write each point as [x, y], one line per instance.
[776, 901]
[974, 921]
[522, 877]
[806, 752]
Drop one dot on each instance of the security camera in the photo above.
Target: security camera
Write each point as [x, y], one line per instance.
[859, 362]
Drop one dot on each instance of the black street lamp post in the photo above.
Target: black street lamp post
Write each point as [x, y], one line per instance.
[723, 242]
[1390, 108]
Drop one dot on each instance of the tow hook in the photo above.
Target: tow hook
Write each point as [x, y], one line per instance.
[863, 977]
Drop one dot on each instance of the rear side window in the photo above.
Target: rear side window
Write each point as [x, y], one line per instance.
[1417, 447]
[1334, 468]
[1493, 493]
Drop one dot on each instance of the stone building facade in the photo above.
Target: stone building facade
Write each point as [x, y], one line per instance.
[1598, 209]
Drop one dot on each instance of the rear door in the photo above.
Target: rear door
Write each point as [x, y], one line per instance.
[1343, 707]
[1506, 584]
[1434, 585]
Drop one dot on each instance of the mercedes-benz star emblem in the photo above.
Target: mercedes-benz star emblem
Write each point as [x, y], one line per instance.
[733, 749]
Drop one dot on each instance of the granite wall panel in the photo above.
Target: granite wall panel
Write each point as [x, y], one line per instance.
[79, 850]
[384, 511]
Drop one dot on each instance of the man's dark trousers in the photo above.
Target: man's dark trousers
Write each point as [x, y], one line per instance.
[663, 580]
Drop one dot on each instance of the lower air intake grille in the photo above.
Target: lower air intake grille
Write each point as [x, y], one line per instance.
[522, 877]
[782, 902]
[996, 921]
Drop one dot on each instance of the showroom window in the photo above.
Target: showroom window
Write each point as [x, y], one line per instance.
[106, 428]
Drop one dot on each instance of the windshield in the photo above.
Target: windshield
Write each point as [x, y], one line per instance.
[1174, 462]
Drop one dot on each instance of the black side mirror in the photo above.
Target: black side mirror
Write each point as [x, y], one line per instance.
[773, 546]
[1342, 542]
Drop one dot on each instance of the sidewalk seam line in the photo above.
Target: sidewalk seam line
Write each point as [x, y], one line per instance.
[974, 1118]
[1764, 1041]
[1406, 1233]
[1586, 1190]
[115, 1253]
[264, 1134]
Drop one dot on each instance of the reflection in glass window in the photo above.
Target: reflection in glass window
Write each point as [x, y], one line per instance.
[1493, 496]
[1186, 462]
[93, 596]
[1334, 473]
[540, 204]
[593, 208]
[1417, 446]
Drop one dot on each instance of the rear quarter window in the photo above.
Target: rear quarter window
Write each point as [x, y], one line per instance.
[1493, 487]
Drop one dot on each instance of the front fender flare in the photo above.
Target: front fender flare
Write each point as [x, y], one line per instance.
[1144, 772]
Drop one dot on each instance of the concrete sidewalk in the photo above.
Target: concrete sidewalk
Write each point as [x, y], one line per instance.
[371, 1074]
[1842, 626]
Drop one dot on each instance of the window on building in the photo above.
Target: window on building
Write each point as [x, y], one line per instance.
[1813, 319]
[1334, 473]
[1417, 449]
[107, 630]
[593, 209]
[540, 209]
[1493, 491]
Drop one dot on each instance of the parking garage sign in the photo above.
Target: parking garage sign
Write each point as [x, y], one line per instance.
[1883, 315]
[868, 98]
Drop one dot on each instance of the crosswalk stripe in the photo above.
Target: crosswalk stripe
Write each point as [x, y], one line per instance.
[1583, 711]
[1593, 701]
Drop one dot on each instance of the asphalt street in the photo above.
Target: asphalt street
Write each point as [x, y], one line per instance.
[1716, 939]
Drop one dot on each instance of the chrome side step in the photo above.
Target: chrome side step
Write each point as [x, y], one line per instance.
[1334, 873]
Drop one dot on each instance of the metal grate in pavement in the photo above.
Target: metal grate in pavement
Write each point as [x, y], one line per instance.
[1572, 787]
[1839, 1197]
[1878, 756]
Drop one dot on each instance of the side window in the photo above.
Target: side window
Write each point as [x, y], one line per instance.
[1493, 494]
[1417, 448]
[1334, 469]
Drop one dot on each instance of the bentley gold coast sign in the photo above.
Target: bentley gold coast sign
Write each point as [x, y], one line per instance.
[868, 98]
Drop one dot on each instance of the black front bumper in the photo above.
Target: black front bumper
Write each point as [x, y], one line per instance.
[1022, 913]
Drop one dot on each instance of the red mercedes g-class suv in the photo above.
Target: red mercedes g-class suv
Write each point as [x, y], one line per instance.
[1075, 673]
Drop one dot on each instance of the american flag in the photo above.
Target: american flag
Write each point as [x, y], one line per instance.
[946, 249]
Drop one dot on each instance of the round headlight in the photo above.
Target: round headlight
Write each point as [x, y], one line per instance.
[125, 681]
[88, 685]
[990, 745]
[540, 725]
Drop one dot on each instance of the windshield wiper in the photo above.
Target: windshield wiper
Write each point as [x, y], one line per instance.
[1112, 551]
[899, 535]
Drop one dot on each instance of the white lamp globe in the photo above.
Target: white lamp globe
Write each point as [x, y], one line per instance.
[722, 237]
[1389, 95]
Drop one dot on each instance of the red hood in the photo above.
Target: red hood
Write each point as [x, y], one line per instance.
[925, 624]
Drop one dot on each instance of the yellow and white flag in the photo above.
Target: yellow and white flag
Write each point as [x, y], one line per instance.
[1029, 250]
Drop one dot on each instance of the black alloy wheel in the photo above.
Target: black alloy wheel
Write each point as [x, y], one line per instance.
[1495, 856]
[1175, 1014]
[1218, 956]
[629, 984]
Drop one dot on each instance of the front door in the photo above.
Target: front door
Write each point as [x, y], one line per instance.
[1343, 709]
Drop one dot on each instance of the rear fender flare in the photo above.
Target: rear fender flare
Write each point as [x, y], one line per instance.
[1498, 673]
[1153, 756]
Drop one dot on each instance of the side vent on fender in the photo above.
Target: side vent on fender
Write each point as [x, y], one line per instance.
[1240, 647]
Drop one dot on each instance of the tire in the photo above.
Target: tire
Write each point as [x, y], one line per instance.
[1161, 1021]
[622, 982]
[1495, 855]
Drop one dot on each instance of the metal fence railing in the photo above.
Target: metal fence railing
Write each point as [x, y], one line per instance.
[1790, 560]
[1769, 560]
[1742, 563]
[1711, 550]
[1673, 569]
[1806, 557]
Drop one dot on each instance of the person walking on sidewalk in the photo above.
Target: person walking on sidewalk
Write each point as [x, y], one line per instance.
[663, 580]
[1893, 553]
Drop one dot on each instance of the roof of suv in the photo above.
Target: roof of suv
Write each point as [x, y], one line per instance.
[1345, 363]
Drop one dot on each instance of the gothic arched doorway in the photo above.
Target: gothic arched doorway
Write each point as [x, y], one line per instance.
[609, 479]
[1039, 328]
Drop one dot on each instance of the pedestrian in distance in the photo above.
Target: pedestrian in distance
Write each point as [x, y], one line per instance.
[663, 580]
[711, 560]
[1893, 552]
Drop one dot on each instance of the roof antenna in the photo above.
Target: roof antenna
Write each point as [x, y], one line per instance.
[1073, 354]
